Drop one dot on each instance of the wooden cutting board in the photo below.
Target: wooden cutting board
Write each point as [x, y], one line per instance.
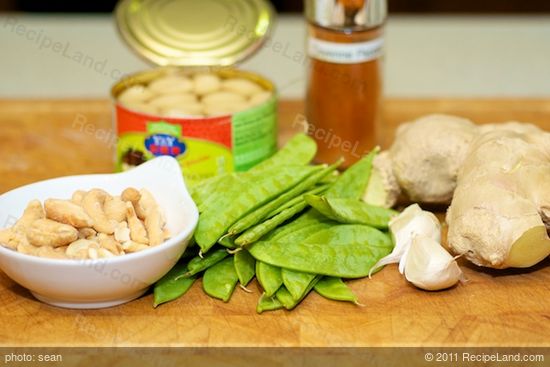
[42, 139]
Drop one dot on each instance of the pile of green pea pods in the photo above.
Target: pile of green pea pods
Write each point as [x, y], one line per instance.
[294, 226]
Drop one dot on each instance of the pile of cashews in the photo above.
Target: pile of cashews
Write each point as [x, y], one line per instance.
[91, 225]
[195, 95]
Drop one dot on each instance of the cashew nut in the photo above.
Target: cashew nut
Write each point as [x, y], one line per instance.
[46, 232]
[67, 212]
[25, 248]
[154, 221]
[50, 252]
[115, 208]
[80, 249]
[137, 229]
[104, 253]
[93, 205]
[11, 238]
[133, 195]
[77, 197]
[32, 212]
[86, 233]
[132, 246]
[109, 243]
[122, 232]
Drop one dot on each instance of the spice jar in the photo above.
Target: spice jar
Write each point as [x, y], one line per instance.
[343, 101]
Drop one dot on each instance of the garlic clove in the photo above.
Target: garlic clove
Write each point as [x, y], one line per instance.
[429, 266]
[410, 222]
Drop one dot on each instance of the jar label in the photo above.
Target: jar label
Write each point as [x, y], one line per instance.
[345, 53]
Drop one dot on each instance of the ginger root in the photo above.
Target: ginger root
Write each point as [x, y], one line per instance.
[493, 175]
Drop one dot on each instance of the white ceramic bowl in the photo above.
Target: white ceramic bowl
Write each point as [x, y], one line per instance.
[104, 282]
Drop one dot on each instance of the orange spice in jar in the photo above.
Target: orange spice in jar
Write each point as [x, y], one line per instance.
[344, 91]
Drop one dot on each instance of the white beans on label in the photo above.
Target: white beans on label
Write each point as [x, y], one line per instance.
[197, 95]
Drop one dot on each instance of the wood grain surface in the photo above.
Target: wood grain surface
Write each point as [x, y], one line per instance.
[42, 139]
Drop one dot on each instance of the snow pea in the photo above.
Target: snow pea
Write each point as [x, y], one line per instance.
[255, 233]
[298, 199]
[210, 198]
[286, 298]
[305, 225]
[296, 282]
[220, 280]
[261, 213]
[240, 200]
[172, 285]
[198, 264]
[269, 277]
[227, 242]
[353, 182]
[347, 251]
[258, 215]
[200, 193]
[351, 211]
[350, 184]
[268, 304]
[335, 289]
[299, 150]
[245, 266]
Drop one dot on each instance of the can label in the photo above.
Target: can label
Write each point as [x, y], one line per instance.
[205, 147]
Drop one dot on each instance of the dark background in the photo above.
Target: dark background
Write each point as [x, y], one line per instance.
[396, 6]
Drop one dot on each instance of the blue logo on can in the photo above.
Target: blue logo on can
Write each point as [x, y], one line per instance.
[164, 144]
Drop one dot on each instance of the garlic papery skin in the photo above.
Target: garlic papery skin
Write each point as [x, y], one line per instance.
[410, 222]
[429, 266]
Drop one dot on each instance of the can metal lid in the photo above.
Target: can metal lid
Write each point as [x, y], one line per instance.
[194, 32]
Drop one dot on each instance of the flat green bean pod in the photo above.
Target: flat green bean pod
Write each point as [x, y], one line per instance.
[335, 289]
[307, 224]
[266, 303]
[299, 150]
[209, 198]
[198, 264]
[240, 200]
[269, 277]
[347, 251]
[172, 285]
[201, 192]
[351, 211]
[255, 233]
[220, 280]
[298, 199]
[227, 242]
[245, 266]
[261, 213]
[296, 282]
[288, 301]
[353, 182]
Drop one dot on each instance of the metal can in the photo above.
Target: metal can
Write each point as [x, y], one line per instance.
[206, 140]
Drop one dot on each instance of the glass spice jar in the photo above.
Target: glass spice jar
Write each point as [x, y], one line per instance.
[344, 88]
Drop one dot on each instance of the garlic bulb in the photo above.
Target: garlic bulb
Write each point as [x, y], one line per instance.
[429, 266]
[425, 263]
[412, 221]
